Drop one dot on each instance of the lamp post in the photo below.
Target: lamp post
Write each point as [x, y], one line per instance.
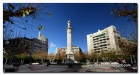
[6, 43]
[97, 58]
[30, 58]
[131, 59]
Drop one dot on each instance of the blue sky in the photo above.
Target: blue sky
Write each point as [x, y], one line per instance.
[86, 18]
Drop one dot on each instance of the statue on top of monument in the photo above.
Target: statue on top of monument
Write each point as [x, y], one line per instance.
[69, 22]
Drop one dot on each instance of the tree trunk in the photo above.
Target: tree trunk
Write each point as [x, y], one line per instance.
[6, 61]
[134, 59]
[11, 58]
[21, 61]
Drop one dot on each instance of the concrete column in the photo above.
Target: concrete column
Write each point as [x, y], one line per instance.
[69, 52]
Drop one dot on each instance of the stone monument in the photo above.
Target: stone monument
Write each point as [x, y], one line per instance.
[69, 52]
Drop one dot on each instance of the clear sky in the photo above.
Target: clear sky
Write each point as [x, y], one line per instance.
[86, 18]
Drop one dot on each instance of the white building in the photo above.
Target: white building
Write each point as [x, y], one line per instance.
[42, 38]
[103, 40]
[41, 42]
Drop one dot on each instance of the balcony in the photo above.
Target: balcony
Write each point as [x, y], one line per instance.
[103, 38]
[101, 35]
[95, 47]
[97, 50]
[94, 44]
[105, 49]
[100, 47]
[100, 39]
[106, 36]
[94, 38]
[103, 41]
[102, 44]
[97, 38]
[108, 47]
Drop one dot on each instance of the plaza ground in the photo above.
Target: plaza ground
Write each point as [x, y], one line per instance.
[37, 68]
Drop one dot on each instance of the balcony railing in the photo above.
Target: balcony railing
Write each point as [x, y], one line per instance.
[103, 38]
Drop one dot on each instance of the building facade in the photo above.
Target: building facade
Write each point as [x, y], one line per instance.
[41, 42]
[62, 51]
[39, 45]
[35, 44]
[103, 40]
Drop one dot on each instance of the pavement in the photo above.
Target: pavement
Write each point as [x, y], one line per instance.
[36, 68]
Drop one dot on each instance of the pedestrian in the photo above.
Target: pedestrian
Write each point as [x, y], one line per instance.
[88, 62]
[110, 61]
[93, 61]
[48, 63]
[120, 62]
[124, 61]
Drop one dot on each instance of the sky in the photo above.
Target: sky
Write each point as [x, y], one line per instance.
[86, 18]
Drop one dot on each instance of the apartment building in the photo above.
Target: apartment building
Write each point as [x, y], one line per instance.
[103, 40]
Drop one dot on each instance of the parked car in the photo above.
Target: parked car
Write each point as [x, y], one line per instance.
[16, 63]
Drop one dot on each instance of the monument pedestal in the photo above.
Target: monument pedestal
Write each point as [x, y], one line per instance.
[69, 58]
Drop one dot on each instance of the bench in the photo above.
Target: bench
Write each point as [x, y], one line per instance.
[10, 69]
[134, 69]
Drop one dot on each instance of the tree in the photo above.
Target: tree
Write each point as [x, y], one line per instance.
[6, 56]
[39, 55]
[129, 10]
[16, 46]
[77, 58]
[22, 56]
[62, 56]
[128, 48]
[23, 16]
[23, 10]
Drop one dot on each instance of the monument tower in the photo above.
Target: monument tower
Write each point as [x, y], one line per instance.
[69, 52]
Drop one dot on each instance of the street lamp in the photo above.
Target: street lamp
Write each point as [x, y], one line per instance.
[30, 56]
[131, 59]
[97, 58]
[4, 51]
[6, 42]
